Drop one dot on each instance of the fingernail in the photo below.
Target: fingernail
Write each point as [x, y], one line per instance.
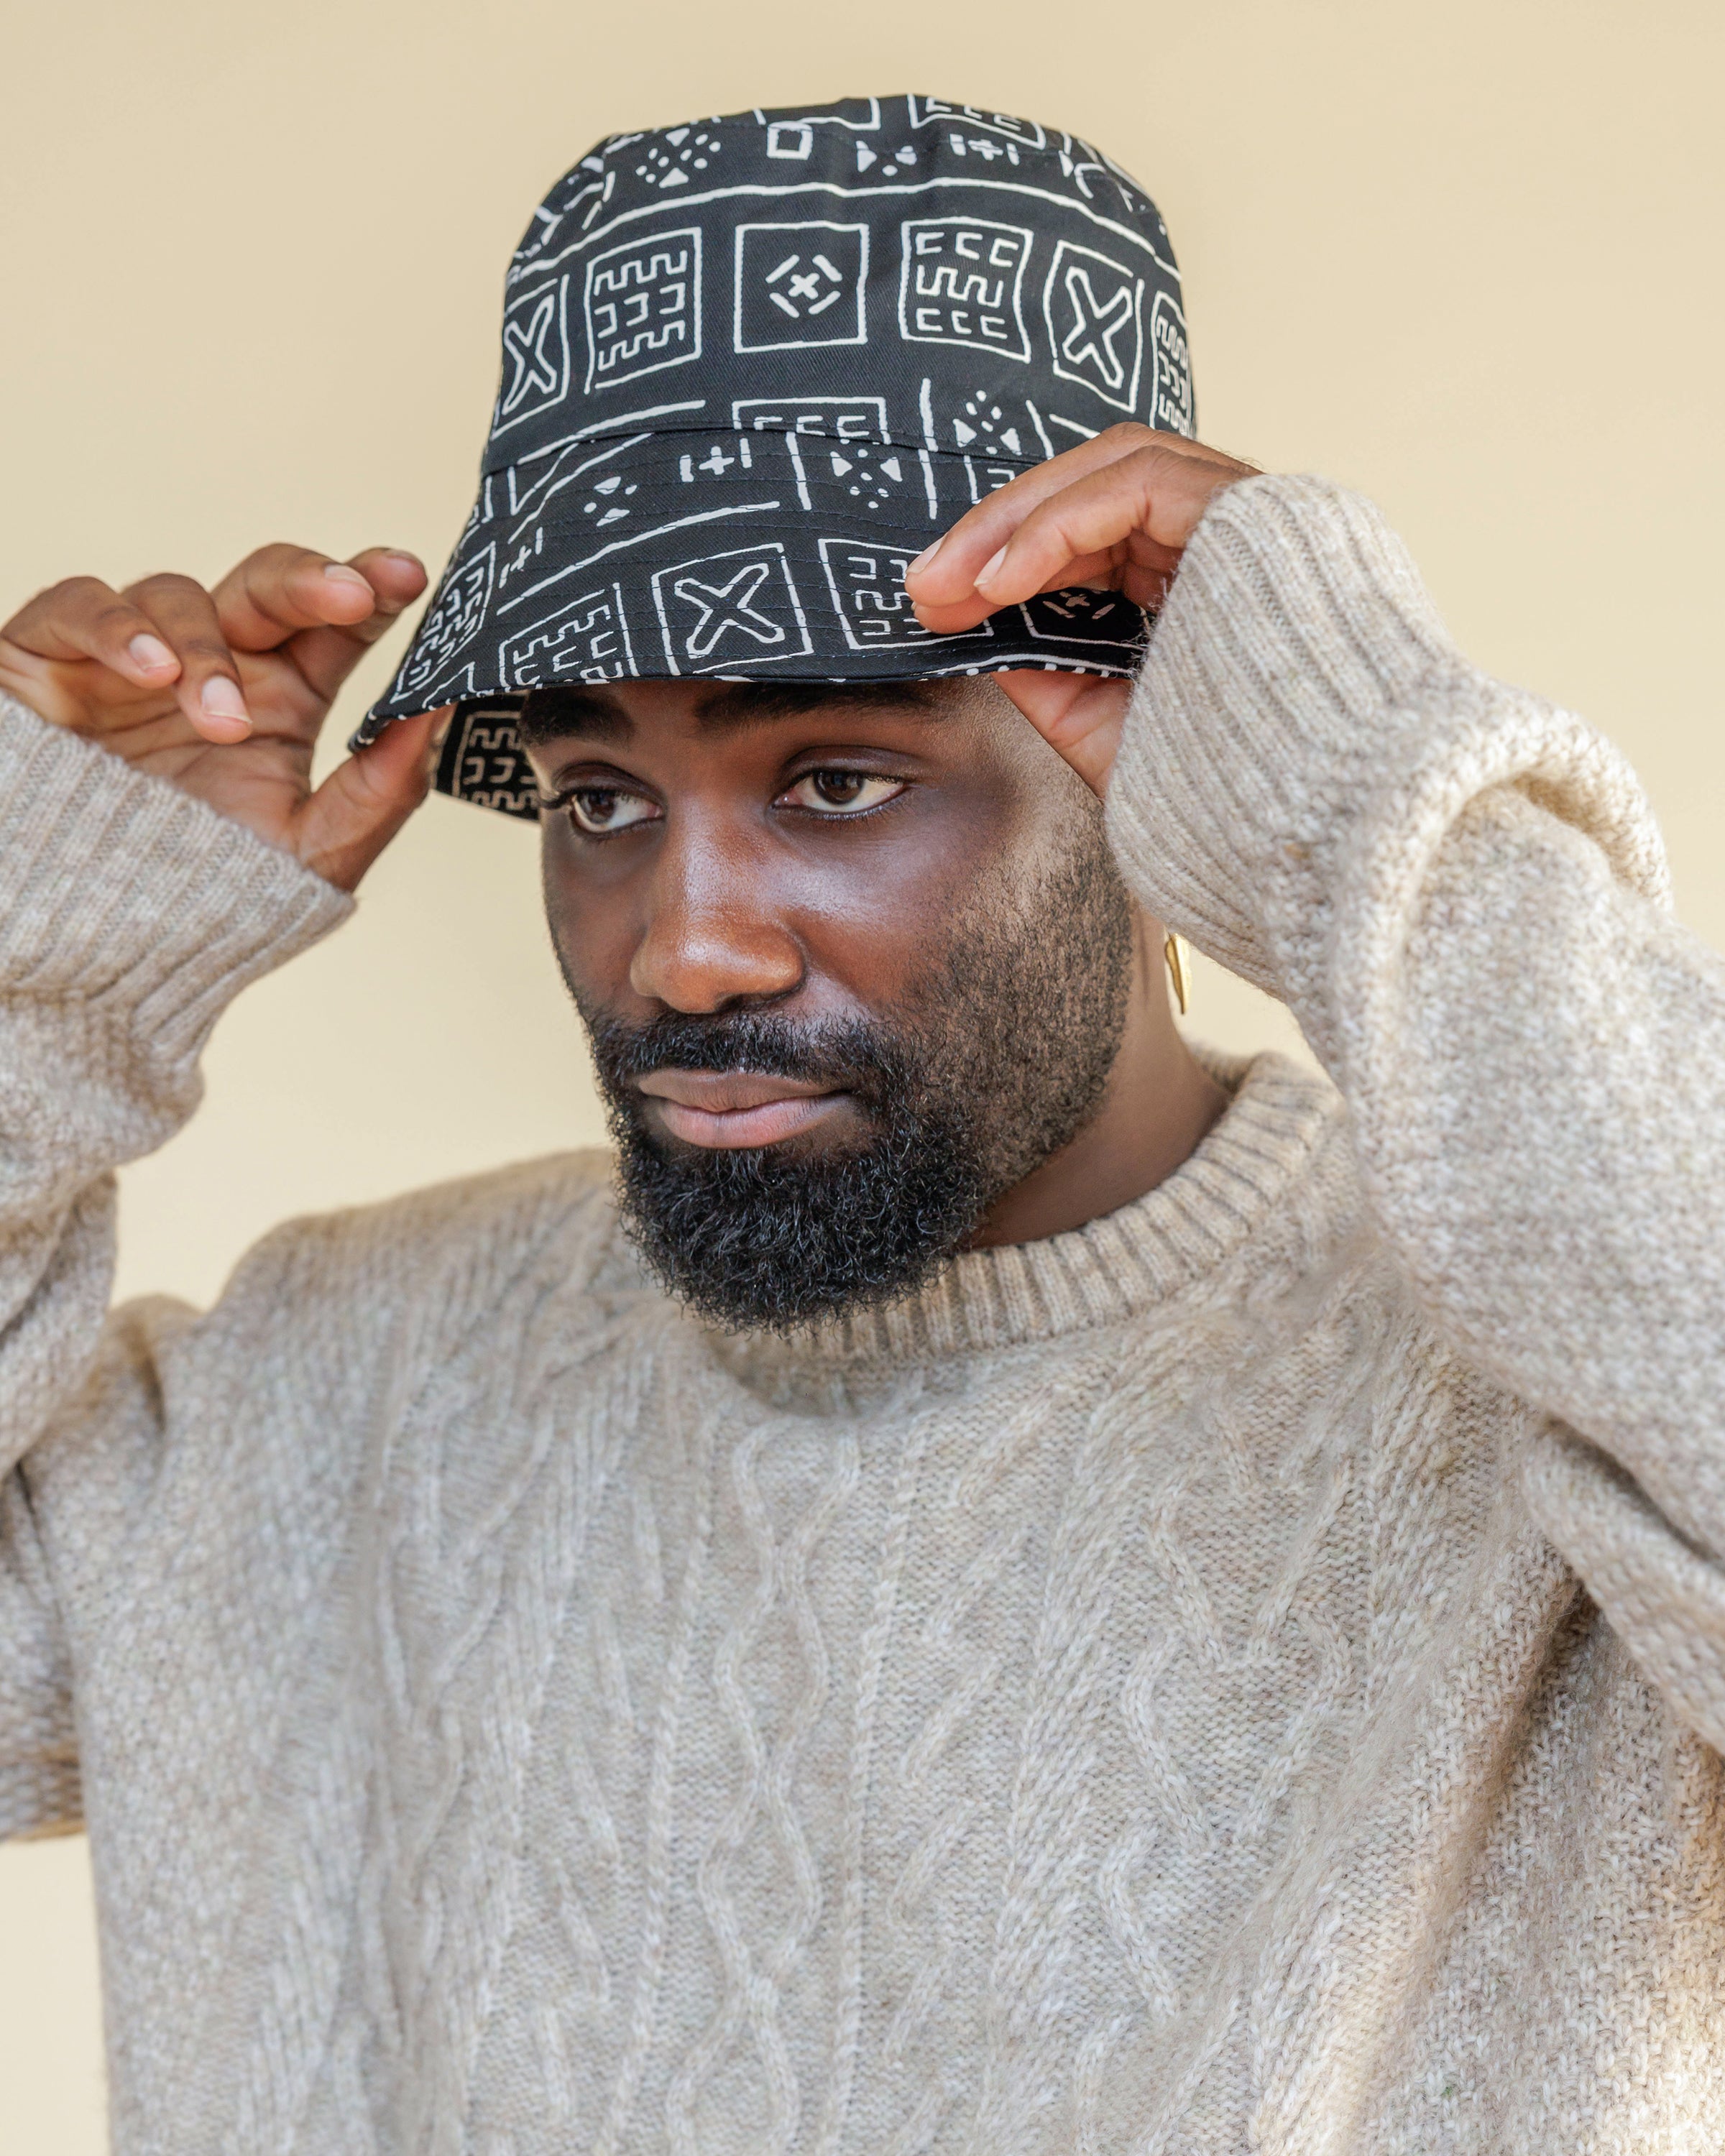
[985, 575]
[338, 573]
[221, 699]
[149, 653]
[406, 560]
[925, 556]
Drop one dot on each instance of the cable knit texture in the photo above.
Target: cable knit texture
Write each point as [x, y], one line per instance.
[1248, 1675]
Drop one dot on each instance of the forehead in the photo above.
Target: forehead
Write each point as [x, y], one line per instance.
[617, 711]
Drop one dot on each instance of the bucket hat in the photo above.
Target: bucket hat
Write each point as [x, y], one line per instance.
[752, 367]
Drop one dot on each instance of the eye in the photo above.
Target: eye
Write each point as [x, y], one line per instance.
[601, 809]
[841, 792]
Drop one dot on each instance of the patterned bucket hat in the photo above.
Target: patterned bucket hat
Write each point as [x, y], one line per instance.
[752, 367]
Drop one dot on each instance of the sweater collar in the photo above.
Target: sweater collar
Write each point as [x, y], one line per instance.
[1120, 1266]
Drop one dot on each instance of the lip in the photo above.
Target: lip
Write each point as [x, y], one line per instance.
[737, 1108]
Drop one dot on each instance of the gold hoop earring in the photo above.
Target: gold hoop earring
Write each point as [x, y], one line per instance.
[1174, 952]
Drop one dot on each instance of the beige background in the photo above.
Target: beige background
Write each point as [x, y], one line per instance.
[1464, 257]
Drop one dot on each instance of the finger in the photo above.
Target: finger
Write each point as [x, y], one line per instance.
[1140, 510]
[1080, 715]
[325, 657]
[83, 617]
[1136, 513]
[1133, 484]
[207, 687]
[277, 591]
[1145, 582]
[364, 802]
[982, 530]
[945, 571]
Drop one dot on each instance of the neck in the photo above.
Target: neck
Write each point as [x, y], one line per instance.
[1157, 1106]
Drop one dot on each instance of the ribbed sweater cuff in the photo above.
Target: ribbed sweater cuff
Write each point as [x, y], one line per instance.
[1303, 732]
[117, 889]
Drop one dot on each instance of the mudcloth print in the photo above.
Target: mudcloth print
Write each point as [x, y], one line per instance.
[750, 367]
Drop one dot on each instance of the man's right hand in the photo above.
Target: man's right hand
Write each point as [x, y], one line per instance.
[224, 693]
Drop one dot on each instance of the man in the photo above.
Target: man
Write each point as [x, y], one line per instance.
[1022, 1590]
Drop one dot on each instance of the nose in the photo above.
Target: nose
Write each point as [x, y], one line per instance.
[713, 937]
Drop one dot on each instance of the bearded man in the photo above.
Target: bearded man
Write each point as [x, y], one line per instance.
[1000, 1585]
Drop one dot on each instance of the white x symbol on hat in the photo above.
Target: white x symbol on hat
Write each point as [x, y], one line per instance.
[727, 606]
[535, 368]
[1098, 326]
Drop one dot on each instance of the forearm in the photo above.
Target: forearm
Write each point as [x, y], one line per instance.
[1459, 893]
[130, 915]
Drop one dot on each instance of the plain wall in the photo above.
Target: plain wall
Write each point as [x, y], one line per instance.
[1463, 257]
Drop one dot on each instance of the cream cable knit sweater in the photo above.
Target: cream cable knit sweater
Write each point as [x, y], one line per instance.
[1248, 1675]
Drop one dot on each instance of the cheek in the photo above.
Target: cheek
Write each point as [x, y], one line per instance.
[593, 917]
[874, 906]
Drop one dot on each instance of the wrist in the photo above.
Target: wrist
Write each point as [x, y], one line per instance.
[1303, 735]
[118, 890]
[1297, 653]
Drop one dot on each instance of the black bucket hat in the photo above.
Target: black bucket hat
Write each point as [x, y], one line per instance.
[751, 368]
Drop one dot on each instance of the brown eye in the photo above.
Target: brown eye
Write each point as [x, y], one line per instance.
[842, 792]
[601, 809]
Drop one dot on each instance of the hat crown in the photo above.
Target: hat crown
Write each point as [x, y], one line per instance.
[752, 365]
[932, 254]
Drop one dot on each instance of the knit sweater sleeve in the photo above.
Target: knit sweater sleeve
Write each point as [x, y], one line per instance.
[130, 915]
[1460, 893]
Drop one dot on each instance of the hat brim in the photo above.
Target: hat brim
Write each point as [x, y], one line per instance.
[734, 553]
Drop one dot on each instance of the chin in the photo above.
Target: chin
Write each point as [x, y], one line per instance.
[785, 1236]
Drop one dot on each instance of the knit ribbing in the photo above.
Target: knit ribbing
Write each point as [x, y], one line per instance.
[1121, 1266]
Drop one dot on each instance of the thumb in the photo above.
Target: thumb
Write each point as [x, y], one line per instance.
[1080, 715]
[364, 802]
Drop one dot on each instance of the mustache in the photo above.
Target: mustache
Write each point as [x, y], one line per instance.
[849, 1054]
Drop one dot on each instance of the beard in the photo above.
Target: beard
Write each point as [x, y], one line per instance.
[995, 1060]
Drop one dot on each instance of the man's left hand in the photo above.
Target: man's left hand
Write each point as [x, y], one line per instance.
[1115, 515]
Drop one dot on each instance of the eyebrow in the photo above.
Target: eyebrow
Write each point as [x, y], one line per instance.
[549, 715]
